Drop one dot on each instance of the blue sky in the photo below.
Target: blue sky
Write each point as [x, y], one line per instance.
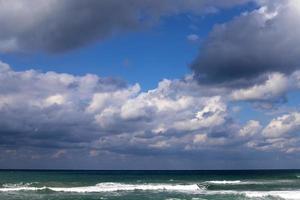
[185, 85]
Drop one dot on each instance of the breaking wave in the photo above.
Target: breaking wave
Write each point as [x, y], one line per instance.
[110, 187]
[224, 182]
[288, 195]
[16, 185]
[247, 182]
[185, 188]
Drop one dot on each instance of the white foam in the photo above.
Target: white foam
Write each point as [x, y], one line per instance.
[288, 195]
[111, 187]
[13, 185]
[186, 188]
[238, 182]
[224, 182]
[14, 189]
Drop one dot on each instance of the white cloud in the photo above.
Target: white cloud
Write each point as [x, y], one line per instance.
[280, 134]
[275, 86]
[200, 138]
[62, 111]
[250, 129]
[295, 80]
[283, 126]
[54, 99]
[212, 113]
[103, 100]
[193, 37]
[4, 67]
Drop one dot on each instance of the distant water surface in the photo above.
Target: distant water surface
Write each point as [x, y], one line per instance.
[154, 185]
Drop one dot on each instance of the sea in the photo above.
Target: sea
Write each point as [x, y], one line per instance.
[154, 185]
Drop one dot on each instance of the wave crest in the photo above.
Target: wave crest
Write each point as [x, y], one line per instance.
[224, 182]
[110, 187]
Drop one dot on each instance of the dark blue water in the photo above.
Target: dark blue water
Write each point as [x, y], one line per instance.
[167, 185]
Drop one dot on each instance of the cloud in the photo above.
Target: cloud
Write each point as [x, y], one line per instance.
[242, 52]
[250, 129]
[270, 94]
[59, 154]
[279, 135]
[56, 111]
[50, 106]
[192, 37]
[49, 115]
[164, 110]
[282, 126]
[58, 26]
[275, 87]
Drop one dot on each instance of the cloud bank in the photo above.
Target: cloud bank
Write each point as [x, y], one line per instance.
[52, 115]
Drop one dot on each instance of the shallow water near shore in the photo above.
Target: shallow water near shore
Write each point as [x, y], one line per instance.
[165, 185]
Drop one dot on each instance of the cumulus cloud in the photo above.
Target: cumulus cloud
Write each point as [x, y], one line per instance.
[58, 116]
[283, 126]
[279, 135]
[250, 129]
[243, 51]
[56, 26]
[269, 94]
[160, 114]
[63, 111]
[50, 106]
[274, 87]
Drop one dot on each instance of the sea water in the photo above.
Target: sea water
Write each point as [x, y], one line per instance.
[140, 185]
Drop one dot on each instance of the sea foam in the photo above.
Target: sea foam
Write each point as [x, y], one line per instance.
[111, 187]
[224, 182]
[185, 188]
[288, 195]
[247, 182]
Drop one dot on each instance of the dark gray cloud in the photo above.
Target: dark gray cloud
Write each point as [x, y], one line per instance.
[241, 52]
[56, 26]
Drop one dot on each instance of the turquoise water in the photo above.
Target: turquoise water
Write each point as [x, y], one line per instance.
[166, 185]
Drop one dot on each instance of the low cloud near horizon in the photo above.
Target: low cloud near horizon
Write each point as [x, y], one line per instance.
[63, 114]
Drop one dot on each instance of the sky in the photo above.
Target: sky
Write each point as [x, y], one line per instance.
[149, 84]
